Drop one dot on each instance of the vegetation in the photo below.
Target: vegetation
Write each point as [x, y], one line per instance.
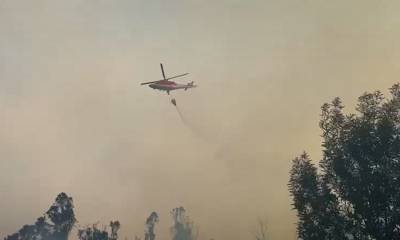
[183, 228]
[58, 221]
[150, 225]
[93, 233]
[55, 224]
[353, 194]
[357, 193]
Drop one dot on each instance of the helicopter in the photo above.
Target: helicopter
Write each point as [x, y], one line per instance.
[166, 85]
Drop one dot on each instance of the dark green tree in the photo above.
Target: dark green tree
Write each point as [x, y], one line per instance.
[317, 208]
[94, 233]
[150, 225]
[61, 213]
[357, 194]
[304, 187]
[115, 226]
[55, 224]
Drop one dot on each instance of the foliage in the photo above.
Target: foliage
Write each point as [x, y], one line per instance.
[93, 233]
[357, 193]
[183, 228]
[150, 225]
[56, 223]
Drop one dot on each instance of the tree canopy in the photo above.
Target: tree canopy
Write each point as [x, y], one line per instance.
[356, 195]
[55, 224]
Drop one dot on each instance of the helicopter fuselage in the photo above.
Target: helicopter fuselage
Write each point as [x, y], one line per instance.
[168, 86]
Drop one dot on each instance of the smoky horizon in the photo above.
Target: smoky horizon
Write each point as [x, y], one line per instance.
[75, 119]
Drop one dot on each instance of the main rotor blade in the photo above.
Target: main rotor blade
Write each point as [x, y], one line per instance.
[151, 82]
[178, 76]
[162, 70]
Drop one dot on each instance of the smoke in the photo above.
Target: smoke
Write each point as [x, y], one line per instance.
[188, 124]
[183, 118]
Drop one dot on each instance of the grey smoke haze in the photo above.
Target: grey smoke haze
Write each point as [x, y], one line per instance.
[73, 117]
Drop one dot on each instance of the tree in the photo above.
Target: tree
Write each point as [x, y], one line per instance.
[183, 228]
[55, 224]
[114, 225]
[93, 233]
[61, 213]
[261, 231]
[150, 225]
[315, 205]
[357, 193]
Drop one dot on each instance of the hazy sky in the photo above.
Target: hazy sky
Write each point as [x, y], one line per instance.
[74, 118]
